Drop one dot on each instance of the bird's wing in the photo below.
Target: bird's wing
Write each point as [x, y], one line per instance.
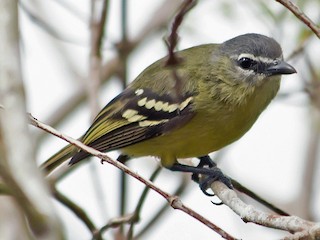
[135, 116]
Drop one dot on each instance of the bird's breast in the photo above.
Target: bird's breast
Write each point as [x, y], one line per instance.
[209, 130]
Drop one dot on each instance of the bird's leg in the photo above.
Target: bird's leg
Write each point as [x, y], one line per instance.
[204, 161]
[213, 173]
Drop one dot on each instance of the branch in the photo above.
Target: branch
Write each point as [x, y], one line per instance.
[158, 21]
[78, 211]
[123, 77]
[174, 201]
[18, 169]
[117, 221]
[180, 190]
[312, 155]
[173, 38]
[97, 25]
[300, 15]
[141, 201]
[248, 213]
[172, 41]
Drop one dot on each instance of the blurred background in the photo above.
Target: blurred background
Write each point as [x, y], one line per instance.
[277, 159]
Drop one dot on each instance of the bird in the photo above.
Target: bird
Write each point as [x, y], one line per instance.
[223, 89]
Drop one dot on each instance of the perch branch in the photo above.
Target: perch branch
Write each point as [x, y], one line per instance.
[174, 201]
[248, 213]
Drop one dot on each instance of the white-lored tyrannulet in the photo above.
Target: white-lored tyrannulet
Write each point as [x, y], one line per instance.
[223, 90]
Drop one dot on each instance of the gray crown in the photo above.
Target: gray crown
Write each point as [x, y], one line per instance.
[252, 43]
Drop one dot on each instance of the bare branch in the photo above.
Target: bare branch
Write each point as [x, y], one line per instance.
[172, 42]
[78, 211]
[173, 38]
[123, 46]
[174, 201]
[117, 221]
[248, 213]
[141, 201]
[18, 168]
[158, 21]
[300, 15]
[180, 190]
[97, 25]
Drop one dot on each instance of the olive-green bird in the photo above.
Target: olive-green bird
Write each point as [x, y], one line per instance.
[223, 88]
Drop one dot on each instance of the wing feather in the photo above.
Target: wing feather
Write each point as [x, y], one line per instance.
[125, 121]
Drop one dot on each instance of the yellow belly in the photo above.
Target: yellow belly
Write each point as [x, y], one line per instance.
[199, 137]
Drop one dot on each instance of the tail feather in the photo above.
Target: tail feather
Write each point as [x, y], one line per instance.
[57, 159]
[78, 157]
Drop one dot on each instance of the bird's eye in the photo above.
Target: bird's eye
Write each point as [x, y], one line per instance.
[246, 63]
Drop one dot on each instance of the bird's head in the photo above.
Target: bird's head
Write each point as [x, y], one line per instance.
[252, 59]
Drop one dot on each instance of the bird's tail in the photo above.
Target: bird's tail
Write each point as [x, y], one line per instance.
[57, 159]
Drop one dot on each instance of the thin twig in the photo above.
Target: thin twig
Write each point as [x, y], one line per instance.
[117, 221]
[301, 15]
[97, 27]
[78, 211]
[18, 169]
[310, 170]
[173, 38]
[141, 202]
[312, 154]
[158, 21]
[172, 41]
[123, 52]
[180, 189]
[174, 201]
[124, 45]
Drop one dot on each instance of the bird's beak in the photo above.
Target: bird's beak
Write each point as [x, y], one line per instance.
[280, 67]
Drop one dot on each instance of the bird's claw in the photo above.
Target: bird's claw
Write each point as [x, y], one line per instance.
[214, 174]
[217, 204]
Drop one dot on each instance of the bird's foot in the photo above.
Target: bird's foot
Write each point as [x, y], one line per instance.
[205, 161]
[212, 175]
[204, 174]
